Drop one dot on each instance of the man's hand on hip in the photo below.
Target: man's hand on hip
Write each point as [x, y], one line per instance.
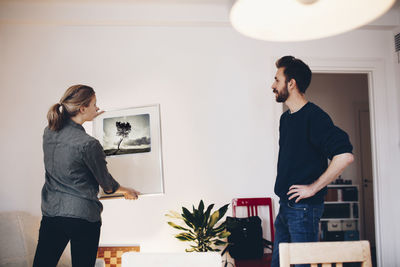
[301, 191]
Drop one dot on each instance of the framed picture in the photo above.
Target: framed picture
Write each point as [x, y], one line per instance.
[131, 139]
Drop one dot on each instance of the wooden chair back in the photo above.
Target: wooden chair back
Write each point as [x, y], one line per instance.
[325, 253]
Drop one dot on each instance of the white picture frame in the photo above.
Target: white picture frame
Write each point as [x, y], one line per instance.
[131, 139]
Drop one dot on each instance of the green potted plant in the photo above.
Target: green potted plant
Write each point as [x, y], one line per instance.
[201, 228]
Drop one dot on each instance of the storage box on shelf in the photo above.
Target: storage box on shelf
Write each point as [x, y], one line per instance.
[340, 220]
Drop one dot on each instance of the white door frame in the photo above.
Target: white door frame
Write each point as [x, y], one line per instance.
[357, 107]
[374, 68]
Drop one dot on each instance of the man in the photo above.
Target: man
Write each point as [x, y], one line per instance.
[307, 139]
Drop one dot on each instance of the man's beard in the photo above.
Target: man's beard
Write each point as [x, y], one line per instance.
[282, 96]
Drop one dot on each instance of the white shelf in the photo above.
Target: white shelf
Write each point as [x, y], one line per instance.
[338, 219]
[342, 185]
[340, 202]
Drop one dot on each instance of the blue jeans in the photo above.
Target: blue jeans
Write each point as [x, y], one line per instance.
[296, 223]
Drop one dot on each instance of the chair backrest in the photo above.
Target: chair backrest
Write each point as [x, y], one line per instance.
[193, 259]
[325, 253]
[252, 205]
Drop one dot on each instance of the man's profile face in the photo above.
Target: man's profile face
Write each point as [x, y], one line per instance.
[279, 87]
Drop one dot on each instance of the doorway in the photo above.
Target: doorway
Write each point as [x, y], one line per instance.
[344, 96]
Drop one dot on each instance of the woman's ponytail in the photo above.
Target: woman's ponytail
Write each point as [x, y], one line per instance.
[55, 117]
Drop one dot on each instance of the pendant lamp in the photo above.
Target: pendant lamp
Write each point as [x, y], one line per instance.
[300, 20]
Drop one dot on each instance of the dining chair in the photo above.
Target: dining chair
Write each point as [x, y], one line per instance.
[325, 253]
[256, 207]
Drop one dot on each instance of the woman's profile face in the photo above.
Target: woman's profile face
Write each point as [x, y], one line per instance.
[91, 110]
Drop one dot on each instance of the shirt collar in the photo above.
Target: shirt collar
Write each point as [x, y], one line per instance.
[298, 111]
[75, 125]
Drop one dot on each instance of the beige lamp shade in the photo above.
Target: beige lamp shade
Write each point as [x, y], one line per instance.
[300, 20]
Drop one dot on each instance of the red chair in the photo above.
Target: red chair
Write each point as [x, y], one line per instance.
[252, 205]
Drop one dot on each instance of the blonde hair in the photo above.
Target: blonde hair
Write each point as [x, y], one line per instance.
[74, 98]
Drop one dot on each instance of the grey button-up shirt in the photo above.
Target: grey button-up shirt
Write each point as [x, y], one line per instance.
[75, 167]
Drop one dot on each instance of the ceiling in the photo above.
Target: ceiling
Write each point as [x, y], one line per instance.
[217, 2]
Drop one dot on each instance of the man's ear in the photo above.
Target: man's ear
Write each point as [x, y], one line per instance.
[292, 84]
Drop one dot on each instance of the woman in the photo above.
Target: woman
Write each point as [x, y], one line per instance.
[75, 167]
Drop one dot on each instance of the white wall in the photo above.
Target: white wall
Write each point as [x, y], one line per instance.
[396, 98]
[219, 118]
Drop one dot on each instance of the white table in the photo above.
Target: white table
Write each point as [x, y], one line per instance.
[185, 259]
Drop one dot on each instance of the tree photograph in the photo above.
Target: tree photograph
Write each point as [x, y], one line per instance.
[126, 135]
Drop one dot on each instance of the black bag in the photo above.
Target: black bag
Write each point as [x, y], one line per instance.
[246, 241]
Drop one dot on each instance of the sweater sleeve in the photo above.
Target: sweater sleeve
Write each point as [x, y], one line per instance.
[95, 160]
[326, 137]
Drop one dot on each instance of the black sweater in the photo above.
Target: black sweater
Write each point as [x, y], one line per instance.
[307, 138]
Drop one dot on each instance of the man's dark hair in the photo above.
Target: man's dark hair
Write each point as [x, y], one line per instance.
[296, 69]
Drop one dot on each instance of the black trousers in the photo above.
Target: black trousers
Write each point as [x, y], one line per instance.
[56, 232]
